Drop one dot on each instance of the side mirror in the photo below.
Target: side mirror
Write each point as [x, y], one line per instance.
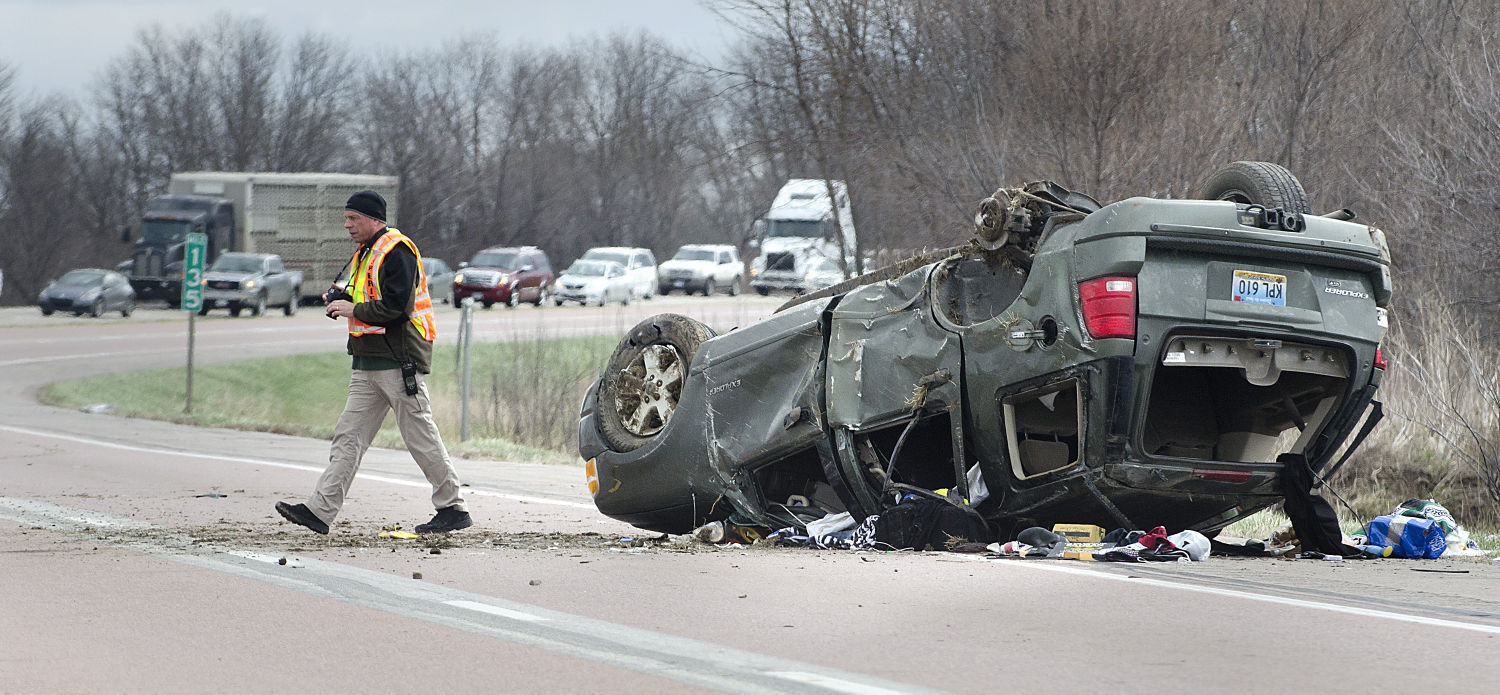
[124, 233]
[463, 264]
[527, 268]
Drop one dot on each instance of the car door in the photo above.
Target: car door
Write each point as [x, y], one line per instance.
[643, 272]
[114, 296]
[278, 291]
[723, 269]
[617, 284]
[532, 278]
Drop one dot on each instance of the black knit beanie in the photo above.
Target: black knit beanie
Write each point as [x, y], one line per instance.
[367, 203]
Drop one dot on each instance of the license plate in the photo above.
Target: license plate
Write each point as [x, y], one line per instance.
[1258, 288]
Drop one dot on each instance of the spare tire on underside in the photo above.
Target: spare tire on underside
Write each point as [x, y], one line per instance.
[643, 383]
[1256, 183]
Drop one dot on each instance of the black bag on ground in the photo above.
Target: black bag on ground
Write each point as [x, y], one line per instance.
[1313, 518]
[922, 523]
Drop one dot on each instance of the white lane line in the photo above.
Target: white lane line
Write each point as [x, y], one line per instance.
[1264, 598]
[91, 355]
[695, 662]
[837, 685]
[290, 466]
[258, 557]
[496, 610]
[136, 353]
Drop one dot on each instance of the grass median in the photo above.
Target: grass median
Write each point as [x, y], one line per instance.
[524, 396]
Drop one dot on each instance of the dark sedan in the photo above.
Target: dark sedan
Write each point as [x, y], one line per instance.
[91, 291]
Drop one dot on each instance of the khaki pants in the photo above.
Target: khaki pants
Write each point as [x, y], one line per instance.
[371, 395]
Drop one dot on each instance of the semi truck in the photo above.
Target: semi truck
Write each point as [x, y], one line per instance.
[297, 216]
[800, 233]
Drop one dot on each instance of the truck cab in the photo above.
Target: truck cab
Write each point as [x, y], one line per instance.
[155, 265]
[799, 232]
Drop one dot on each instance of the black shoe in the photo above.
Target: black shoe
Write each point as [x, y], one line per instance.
[447, 519]
[299, 514]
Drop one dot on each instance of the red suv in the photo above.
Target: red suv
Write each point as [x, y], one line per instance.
[509, 274]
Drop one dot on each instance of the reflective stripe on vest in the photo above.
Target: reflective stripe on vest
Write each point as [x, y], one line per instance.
[364, 286]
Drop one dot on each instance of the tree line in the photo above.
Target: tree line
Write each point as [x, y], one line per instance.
[923, 108]
[1389, 108]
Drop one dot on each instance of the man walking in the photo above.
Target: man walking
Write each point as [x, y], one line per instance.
[391, 329]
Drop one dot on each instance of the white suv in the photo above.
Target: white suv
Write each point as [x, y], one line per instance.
[639, 265]
[702, 268]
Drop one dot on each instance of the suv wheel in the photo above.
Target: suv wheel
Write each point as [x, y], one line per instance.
[259, 308]
[514, 299]
[734, 287]
[291, 304]
[541, 297]
[708, 287]
[643, 384]
[1256, 183]
[97, 309]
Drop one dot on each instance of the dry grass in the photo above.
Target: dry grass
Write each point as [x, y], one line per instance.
[1439, 438]
[524, 402]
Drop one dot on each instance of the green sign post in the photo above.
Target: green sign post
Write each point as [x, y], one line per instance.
[192, 297]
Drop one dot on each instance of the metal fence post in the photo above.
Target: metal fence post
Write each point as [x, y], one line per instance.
[458, 344]
[466, 341]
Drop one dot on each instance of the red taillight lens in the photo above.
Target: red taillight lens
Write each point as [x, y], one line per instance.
[1109, 307]
[1379, 359]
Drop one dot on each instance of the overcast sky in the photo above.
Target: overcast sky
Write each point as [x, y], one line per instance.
[62, 45]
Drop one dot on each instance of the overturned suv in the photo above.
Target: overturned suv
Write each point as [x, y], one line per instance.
[1149, 362]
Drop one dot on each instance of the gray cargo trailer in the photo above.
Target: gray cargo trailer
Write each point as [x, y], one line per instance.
[298, 216]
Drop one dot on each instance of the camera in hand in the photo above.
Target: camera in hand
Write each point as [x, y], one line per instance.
[334, 294]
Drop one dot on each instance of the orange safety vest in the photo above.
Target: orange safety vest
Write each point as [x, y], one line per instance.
[364, 286]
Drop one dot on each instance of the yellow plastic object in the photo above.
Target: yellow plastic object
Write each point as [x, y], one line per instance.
[1080, 533]
[403, 535]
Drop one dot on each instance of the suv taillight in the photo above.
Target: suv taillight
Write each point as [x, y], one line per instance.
[1109, 307]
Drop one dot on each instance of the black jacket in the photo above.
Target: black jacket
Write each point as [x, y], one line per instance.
[398, 282]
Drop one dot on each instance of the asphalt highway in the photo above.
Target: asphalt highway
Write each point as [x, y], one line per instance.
[140, 556]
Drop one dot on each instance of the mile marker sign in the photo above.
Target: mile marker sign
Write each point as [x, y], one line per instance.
[192, 271]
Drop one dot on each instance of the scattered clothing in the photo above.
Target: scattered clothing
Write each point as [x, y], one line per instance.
[860, 537]
[832, 523]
